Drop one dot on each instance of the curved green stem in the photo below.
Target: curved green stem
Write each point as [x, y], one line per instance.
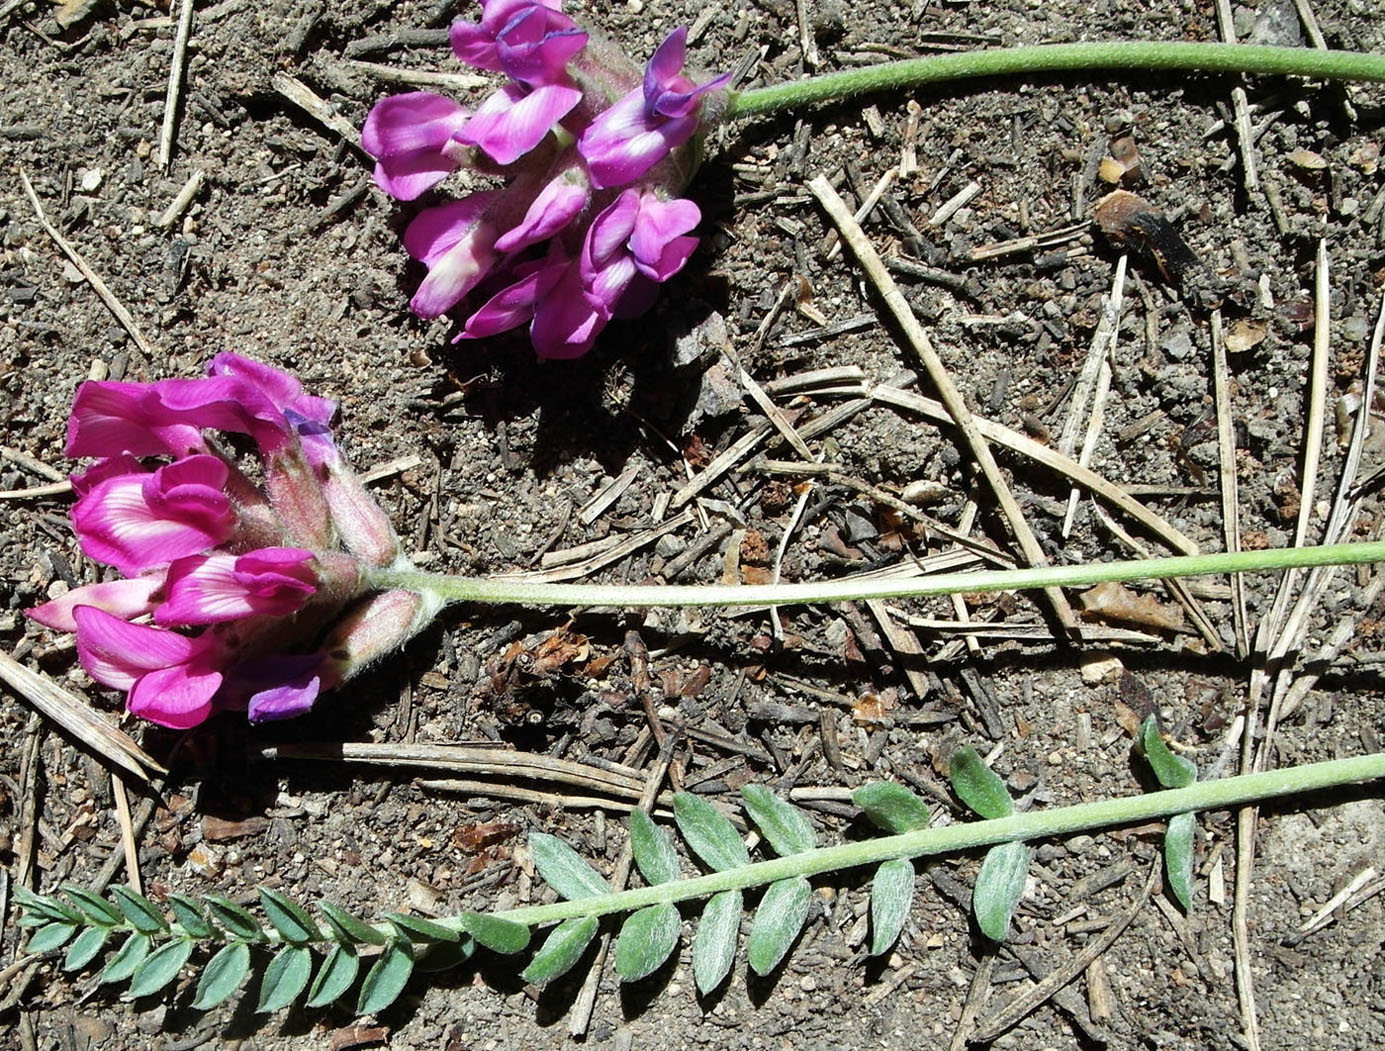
[1054, 58]
[498, 590]
[926, 842]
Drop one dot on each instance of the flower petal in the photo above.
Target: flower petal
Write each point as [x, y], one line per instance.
[511, 123]
[116, 653]
[417, 120]
[110, 418]
[213, 588]
[127, 599]
[178, 697]
[557, 204]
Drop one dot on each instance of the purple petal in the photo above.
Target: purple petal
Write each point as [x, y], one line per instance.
[672, 103]
[175, 697]
[609, 232]
[567, 320]
[276, 687]
[215, 588]
[418, 120]
[657, 243]
[126, 599]
[137, 521]
[436, 231]
[110, 418]
[557, 204]
[511, 123]
[225, 403]
[622, 143]
[535, 46]
[509, 308]
[666, 63]
[406, 177]
[116, 653]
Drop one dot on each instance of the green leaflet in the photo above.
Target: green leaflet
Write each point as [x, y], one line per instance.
[97, 909]
[188, 912]
[892, 807]
[653, 852]
[46, 908]
[891, 895]
[348, 928]
[978, 786]
[159, 968]
[339, 969]
[496, 934]
[222, 975]
[708, 833]
[999, 885]
[129, 956]
[143, 914]
[647, 938]
[1178, 857]
[1171, 771]
[288, 918]
[714, 944]
[420, 929]
[785, 826]
[238, 923]
[386, 979]
[778, 921]
[286, 976]
[51, 936]
[562, 949]
[563, 868]
[86, 948]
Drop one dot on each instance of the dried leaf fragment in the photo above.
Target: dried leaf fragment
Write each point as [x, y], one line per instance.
[1131, 221]
[1114, 601]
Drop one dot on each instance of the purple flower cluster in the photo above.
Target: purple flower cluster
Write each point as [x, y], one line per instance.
[233, 594]
[593, 152]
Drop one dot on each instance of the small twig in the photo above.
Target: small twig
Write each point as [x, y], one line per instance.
[418, 78]
[319, 109]
[127, 833]
[1230, 496]
[114, 305]
[175, 84]
[1031, 998]
[950, 396]
[1244, 135]
[180, 203]
[31, 464]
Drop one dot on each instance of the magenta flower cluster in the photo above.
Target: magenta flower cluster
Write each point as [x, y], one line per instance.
[592, 153]
[233, 594]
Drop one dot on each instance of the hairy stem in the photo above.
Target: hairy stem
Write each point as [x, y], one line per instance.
[1121, 56]
[926, 842]
[492, 590]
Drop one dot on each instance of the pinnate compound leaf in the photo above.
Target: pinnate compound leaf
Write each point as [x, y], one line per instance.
[222, 975]
[561, 950]
[129, 956]
[386, 979]
[286, 976]
[288, 918]
[709, 833]
[647, 938]
[96, 908]
[348, 928]
[999, 885]
[160, 967]
[654, 854]
[714, 944]
[1178, 857]
[143, 914]
[892, 807]
[778, 921]
[236, 920]
[420, 929]
[978, 786]
[51, 936]
[1171, 771]
[334, 977]
[188, 912]
[563, 868]
[86, 948]
[496, 934]
[785, 826]
[891, 895]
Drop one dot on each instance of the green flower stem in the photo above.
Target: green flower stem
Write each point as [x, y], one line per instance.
[926, 842]
[1122, 56]
[531, 593]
